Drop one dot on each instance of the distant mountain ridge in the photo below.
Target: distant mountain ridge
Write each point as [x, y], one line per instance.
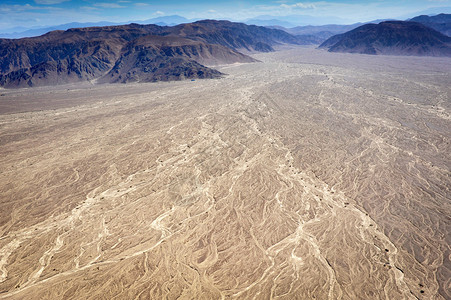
[326, 31]
[295, 20]
[321, 32]
[44, 30]
[440, 22]
[293, 24]
[391, 38]
[239, 35]
[269, 23]
[161, 21]
[133, 52]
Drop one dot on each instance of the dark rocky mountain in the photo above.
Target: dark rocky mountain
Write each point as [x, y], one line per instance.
[238, 35]
[441, 22]
[157, 58]
[64, 56]
[391, 38]
[323, 32]
[132, 52]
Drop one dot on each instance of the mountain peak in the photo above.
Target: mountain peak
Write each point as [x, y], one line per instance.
[391, 38]
[133, 52]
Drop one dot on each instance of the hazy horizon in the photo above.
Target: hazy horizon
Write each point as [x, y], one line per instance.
[26, 14]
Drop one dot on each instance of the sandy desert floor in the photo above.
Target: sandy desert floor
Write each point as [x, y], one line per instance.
[310, 175]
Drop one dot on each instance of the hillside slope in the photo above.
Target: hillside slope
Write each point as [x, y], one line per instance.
[133, 52]
[441, 22]
[391, 38]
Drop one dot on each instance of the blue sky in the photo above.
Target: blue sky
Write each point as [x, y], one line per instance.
[33, 13]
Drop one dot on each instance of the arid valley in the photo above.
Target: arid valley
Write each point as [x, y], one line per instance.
[306, 175]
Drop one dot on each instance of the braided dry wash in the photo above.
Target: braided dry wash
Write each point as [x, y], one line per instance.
[310, 175]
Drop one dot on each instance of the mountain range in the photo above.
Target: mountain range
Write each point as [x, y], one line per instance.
[134, 52]
[440, 22]
[21, 32]
[289, 21]
[323, 32]
[143, 53]
[391, 38]
[293, 24]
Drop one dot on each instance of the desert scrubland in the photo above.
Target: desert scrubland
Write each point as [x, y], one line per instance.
[308, 175]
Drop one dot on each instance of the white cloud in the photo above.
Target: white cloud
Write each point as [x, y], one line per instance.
[159, 13]
[49, 2]
[88, 8]
[299, 5]
[140, 4]
[109, 5]
[19, 8]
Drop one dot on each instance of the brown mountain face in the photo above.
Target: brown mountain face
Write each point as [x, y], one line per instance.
[156, 58]
[132, 52]
[89, 61]
[103, 43]
[239, 35]
[391, 38]
[64, 56]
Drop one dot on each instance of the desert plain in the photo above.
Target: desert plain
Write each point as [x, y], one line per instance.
[307, 175]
